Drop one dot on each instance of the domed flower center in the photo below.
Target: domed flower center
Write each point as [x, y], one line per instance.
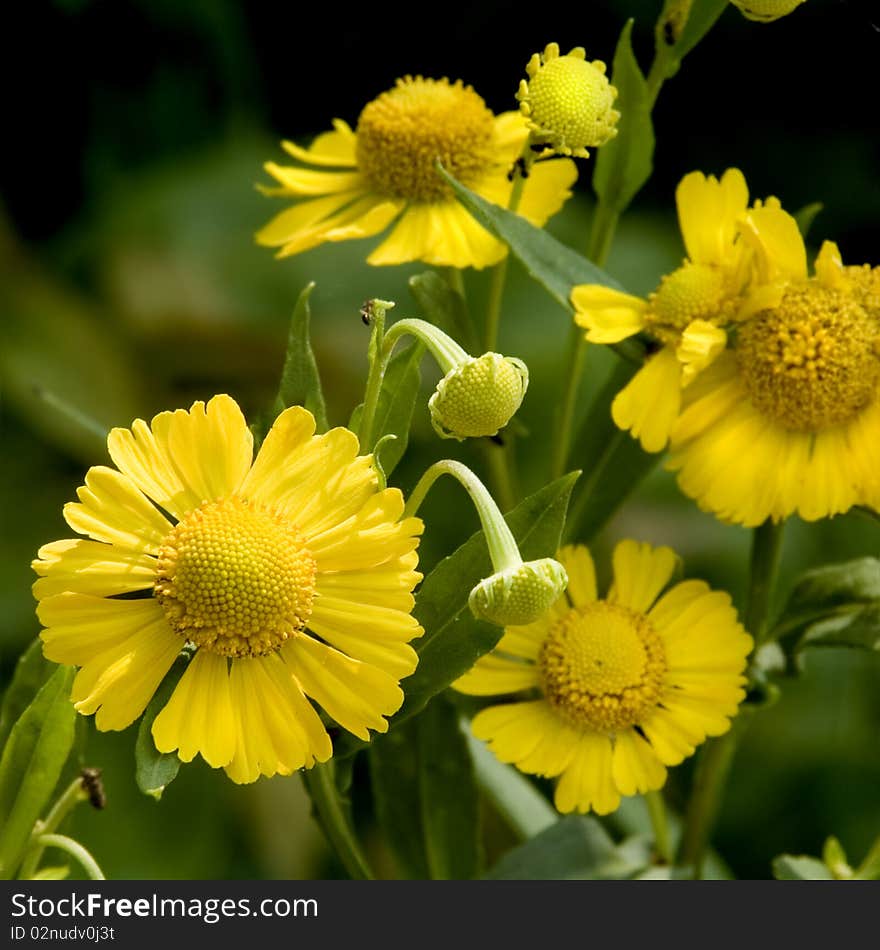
[235, 578]
[602, 667]
[404, 132]
[812, 362]
[569, 101]
[693, 292]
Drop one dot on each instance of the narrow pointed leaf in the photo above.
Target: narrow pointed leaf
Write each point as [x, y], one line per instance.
[300, 380]
[155, 770]
[31, 672]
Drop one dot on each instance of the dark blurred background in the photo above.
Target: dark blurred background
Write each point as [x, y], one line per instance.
[129, 283]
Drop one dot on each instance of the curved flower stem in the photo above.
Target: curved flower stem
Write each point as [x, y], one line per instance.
[657, 813]
[76, 851]
[339, 832]
[69, 799]
[717, 755]
[502, 545]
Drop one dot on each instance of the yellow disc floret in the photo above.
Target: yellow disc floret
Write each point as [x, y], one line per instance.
[403, 133]
[812, 362]
[235, 578]
[478, 397]
[693, 292]
[568, 101]
[764, 11]
[602, 666]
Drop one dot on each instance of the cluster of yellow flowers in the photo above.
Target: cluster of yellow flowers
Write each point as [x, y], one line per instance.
[289, 577]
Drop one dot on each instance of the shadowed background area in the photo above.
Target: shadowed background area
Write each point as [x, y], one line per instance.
[129, 283]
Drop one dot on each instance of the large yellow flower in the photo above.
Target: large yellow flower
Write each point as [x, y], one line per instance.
[618, 688]
[289, 575]
[788, 420]
[355, 184]
[688, 312]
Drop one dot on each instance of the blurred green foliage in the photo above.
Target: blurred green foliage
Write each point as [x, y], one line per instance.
[152, 294]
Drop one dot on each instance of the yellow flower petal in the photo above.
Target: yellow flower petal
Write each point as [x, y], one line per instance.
[414, 237]
[829, 266]
[119, 675]
[305, 216]
[278, 729]
[310, 183]
[608, 315]
[511, 132]
[578, 563]
[635, 766]
[671, 739]
[199, 717]
[700, 344]
[90, 567]
[111, 509]
[389, 585]
[707, 214]
[546, 190]
[640, 573]
[357, 695]
[527, 734]
[587, 783]
[494, 675]
[648, 405]
[779, 248]
[523, 641]
[337, 148]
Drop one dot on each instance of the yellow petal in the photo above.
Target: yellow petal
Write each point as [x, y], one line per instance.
[305, 216]
[587, 783]
[199, 717]
[608, 315]
[337, 148]
[389, 585]
[529, 735]
[578, 563]
[700, 344]
[671, 740]
[494, 675]
[648, 405]
[635, 767]
[511, 132]
[546, 190]
[357, 695]
[111, 509]
[278, 729]
[413, 238]
[118, 677]
[311, 183]
[707, 214]
[829, 266]
[640, 573]
[779, 248]
[524, 641]
[90, 567]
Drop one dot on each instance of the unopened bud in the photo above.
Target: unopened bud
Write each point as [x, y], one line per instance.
[765, 11]
[519, 594]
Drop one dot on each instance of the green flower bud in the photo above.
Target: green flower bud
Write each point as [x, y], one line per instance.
[479, 396]
[765, 11]
[519, 594]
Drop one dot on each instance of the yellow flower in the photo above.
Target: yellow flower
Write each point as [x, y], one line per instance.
[615, 689]
[360, 182]
[568, 102]
[290, 575]
[688, 312]
[765, 11]
[788, 420]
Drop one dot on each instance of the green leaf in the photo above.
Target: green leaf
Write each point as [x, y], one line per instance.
[800, 867]
[575, 848]
[31, 672]
[555, 266]
[155, 770]
[32, 762]
[702, 17]
[626, 162]
[300, 380]
[444, 307]
[454, 640]
[515, 798]
[836, 605]
[397, 401]
[426, 795]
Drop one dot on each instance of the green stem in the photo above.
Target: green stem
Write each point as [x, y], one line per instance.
[76, 851]
[69, 799]
[659, 825]
[499, 272]
[325, 797]
[374, 379]
[502, 545]
[717, 755]
[500, 462]
[444, 349]
[574, 363]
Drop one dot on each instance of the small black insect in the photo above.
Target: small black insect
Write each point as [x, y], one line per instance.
[94, 787]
